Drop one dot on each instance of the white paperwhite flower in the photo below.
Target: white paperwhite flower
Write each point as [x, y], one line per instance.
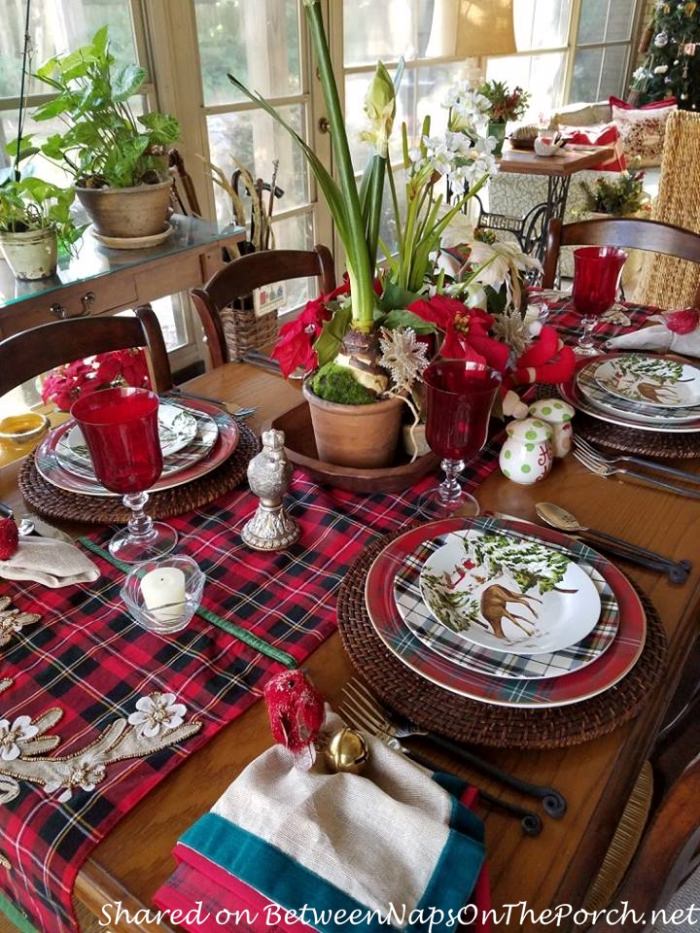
[87, 773]
[11, 734]
[157, 713]
[402, 355]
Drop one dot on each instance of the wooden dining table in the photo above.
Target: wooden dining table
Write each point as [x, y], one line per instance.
[596, 778]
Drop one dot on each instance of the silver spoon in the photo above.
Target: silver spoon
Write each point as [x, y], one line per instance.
[558, 517]
[25, 527]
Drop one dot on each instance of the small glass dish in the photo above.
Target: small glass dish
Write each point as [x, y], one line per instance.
[24, 428]
[171, 594]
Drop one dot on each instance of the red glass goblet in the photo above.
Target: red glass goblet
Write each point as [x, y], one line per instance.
[597, 271]
[120, 427]
[459, 397]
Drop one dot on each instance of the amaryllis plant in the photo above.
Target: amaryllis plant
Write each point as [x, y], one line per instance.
[65, 384]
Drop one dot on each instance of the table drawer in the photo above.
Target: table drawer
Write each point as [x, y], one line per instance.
[112, 293]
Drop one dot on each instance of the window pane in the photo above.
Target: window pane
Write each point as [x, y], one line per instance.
[390, 28]
[605, 21]
[255, 40]
[296, 233]
[586, 77]
[612, 80]
[542, 75]
[255, 140]
[58, 26]
[421, 93]
[541, 24]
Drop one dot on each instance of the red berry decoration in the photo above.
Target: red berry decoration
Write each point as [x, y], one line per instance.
[9, 538]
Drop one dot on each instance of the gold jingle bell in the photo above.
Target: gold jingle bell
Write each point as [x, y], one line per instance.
[347, 751]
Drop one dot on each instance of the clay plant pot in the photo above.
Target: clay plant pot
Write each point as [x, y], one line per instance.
[31, 254]
[355, 435]
[127, 212]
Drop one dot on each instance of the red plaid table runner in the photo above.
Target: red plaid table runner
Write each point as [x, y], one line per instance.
[73, 678]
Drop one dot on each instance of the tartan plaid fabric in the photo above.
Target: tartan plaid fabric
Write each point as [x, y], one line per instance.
[422, 623]
[88, 659]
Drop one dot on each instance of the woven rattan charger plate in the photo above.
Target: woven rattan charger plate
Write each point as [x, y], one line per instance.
[467, 720]
[56, 503]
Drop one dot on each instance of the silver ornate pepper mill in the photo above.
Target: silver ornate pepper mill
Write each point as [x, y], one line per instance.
[269, 473]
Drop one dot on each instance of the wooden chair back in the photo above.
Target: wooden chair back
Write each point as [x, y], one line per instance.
[241, 276]
[666, 857]
[626, 233]
[40, 349]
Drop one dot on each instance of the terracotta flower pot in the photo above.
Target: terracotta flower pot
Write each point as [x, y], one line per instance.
[30, 255]
[355, 435]
[127, 212]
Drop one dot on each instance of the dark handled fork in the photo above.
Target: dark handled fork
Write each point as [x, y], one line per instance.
[553, 802]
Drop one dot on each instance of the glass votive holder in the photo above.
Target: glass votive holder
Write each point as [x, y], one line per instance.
[163, 595]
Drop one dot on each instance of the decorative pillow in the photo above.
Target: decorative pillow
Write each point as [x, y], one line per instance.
[643, 129]
[605, 135]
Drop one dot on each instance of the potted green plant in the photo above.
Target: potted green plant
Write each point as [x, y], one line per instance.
[505, 106]
[118, 161]
[357, 390]
[34, 220]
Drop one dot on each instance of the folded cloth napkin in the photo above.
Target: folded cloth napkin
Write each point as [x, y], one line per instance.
[214, 901]
[394, 843]
[49, 562]
[678, 332]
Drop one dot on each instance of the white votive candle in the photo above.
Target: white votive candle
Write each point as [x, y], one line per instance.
[163, 591]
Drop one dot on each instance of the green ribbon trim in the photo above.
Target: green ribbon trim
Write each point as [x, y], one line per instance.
[16, 916]
[248, 638]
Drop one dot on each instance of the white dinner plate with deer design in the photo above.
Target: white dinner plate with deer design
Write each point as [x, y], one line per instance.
[656, 381]
[508, 594]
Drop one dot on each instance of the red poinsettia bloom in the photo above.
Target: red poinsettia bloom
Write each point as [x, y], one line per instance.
[295, 344]
[466, 331]
[119, 367]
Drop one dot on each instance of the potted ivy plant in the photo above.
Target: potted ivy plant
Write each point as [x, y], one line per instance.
[118, 160]
[34, 220]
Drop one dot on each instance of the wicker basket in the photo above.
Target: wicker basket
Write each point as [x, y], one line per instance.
[243, 331]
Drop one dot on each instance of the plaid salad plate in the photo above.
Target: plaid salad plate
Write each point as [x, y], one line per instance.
[589, 385]
[227, 434]
[601, 674]
[437, 637]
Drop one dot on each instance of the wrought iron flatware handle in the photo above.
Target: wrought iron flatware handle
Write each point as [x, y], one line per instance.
[676, 571]
[530, 822]
[553, 802]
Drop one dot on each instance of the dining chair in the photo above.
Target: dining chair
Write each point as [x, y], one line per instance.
[242, 276]
[668, 282]
[667, 856]
[39, 349]
[626, 233]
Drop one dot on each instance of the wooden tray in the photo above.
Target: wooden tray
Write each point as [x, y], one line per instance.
[301, 450]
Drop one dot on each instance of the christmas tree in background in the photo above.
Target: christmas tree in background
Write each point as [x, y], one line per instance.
[672, 64]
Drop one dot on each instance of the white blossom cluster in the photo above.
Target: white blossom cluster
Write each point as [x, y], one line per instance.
[463, 159]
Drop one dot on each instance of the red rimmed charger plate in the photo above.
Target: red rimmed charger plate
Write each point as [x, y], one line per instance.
[50, 468]
[580, 685]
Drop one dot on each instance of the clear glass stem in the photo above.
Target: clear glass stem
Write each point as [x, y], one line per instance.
[588, 325]
[450, 489]
[140, 524]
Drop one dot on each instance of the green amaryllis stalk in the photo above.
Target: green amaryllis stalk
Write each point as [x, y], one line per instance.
[380, 110]
[342, 197]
